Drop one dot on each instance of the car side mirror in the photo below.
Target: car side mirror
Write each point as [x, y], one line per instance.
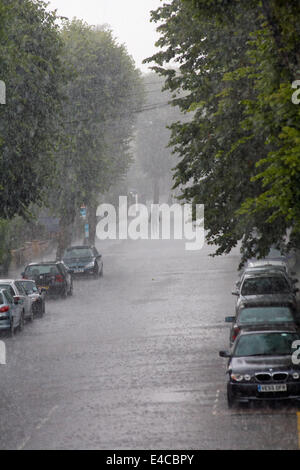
[224, 354]
[229, 319]
[235, 292]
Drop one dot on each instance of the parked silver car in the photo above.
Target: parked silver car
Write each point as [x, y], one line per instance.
[37, 296]
[17, 291]
[11, 312]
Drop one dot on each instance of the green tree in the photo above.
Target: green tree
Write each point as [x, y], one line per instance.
[103, 97]
[31, 67]
[236, 60]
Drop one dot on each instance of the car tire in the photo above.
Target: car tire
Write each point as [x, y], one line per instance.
[71, 289]
[12, 328]
[64, 295]
[22, 322]
[96, 273]
[31, 318]
[230, 399]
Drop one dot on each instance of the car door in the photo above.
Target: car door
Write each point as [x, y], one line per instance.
[98, 258]
[27, 302]
[66, 275]
[16, 309]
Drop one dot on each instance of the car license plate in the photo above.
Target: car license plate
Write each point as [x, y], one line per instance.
[46, 287]
[78, 270]
[272, 388]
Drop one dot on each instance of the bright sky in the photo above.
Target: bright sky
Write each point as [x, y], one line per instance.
[128, 19]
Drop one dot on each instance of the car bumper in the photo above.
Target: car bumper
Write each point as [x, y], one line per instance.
[84, 273]
[54, 290]
[249, 392]
[5, 323]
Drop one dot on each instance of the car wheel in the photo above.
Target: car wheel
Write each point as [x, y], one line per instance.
[71, 289]
[96, 273]
[22, 321]
[31, 314]
[64, 295]
[12, 328]
[230, 399]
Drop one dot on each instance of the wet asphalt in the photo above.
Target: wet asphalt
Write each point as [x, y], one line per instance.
[130, 361]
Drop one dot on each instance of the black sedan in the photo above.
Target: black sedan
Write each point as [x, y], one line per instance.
[51, 276]
[83, 260]
[262, 365]
[261, 314]
[271, 287]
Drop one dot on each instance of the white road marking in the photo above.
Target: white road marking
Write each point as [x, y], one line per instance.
[38, 426]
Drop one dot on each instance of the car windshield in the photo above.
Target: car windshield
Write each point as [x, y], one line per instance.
[37, 270]
[78, 253]
[29, 287]
[265, 285]
[255, 315]
[274, 253]
[265, 344]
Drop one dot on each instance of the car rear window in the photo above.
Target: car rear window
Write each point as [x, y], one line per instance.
[8, 288]
[265, 285]
[37, 270]
[78, 253]
[256, 315]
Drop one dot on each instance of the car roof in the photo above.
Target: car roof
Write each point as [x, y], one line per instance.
[42, 263]
[78, 247]
[269, 304]
[268, 273]
[284, 328]
[6, 281]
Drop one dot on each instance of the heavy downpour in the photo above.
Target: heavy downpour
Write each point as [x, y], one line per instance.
[150, 225]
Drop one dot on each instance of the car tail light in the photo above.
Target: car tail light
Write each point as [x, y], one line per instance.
[59, 278]
[4, 309]
[236, 331]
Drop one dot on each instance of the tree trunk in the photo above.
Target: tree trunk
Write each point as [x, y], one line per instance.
[65, 233]
[92, 221]
[156, 191]
[283, 57]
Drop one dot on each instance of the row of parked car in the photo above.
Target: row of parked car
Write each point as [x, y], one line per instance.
[23, 299]
[264, 331]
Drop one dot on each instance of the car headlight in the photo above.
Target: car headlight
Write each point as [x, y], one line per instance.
[296, 375]
[237, 377]
[90, 265]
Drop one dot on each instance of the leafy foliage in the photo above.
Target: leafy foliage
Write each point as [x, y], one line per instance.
[235, 61]
[31, 67]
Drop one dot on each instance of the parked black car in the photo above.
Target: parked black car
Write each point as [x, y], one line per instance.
[84, 260]
[261, 366]
[37, 295]
[261, 315]
[52, 276]
[272, 287]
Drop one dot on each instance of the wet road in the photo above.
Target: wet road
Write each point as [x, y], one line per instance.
[131, 362]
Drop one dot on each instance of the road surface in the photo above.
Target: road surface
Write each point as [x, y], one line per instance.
[131, 361]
